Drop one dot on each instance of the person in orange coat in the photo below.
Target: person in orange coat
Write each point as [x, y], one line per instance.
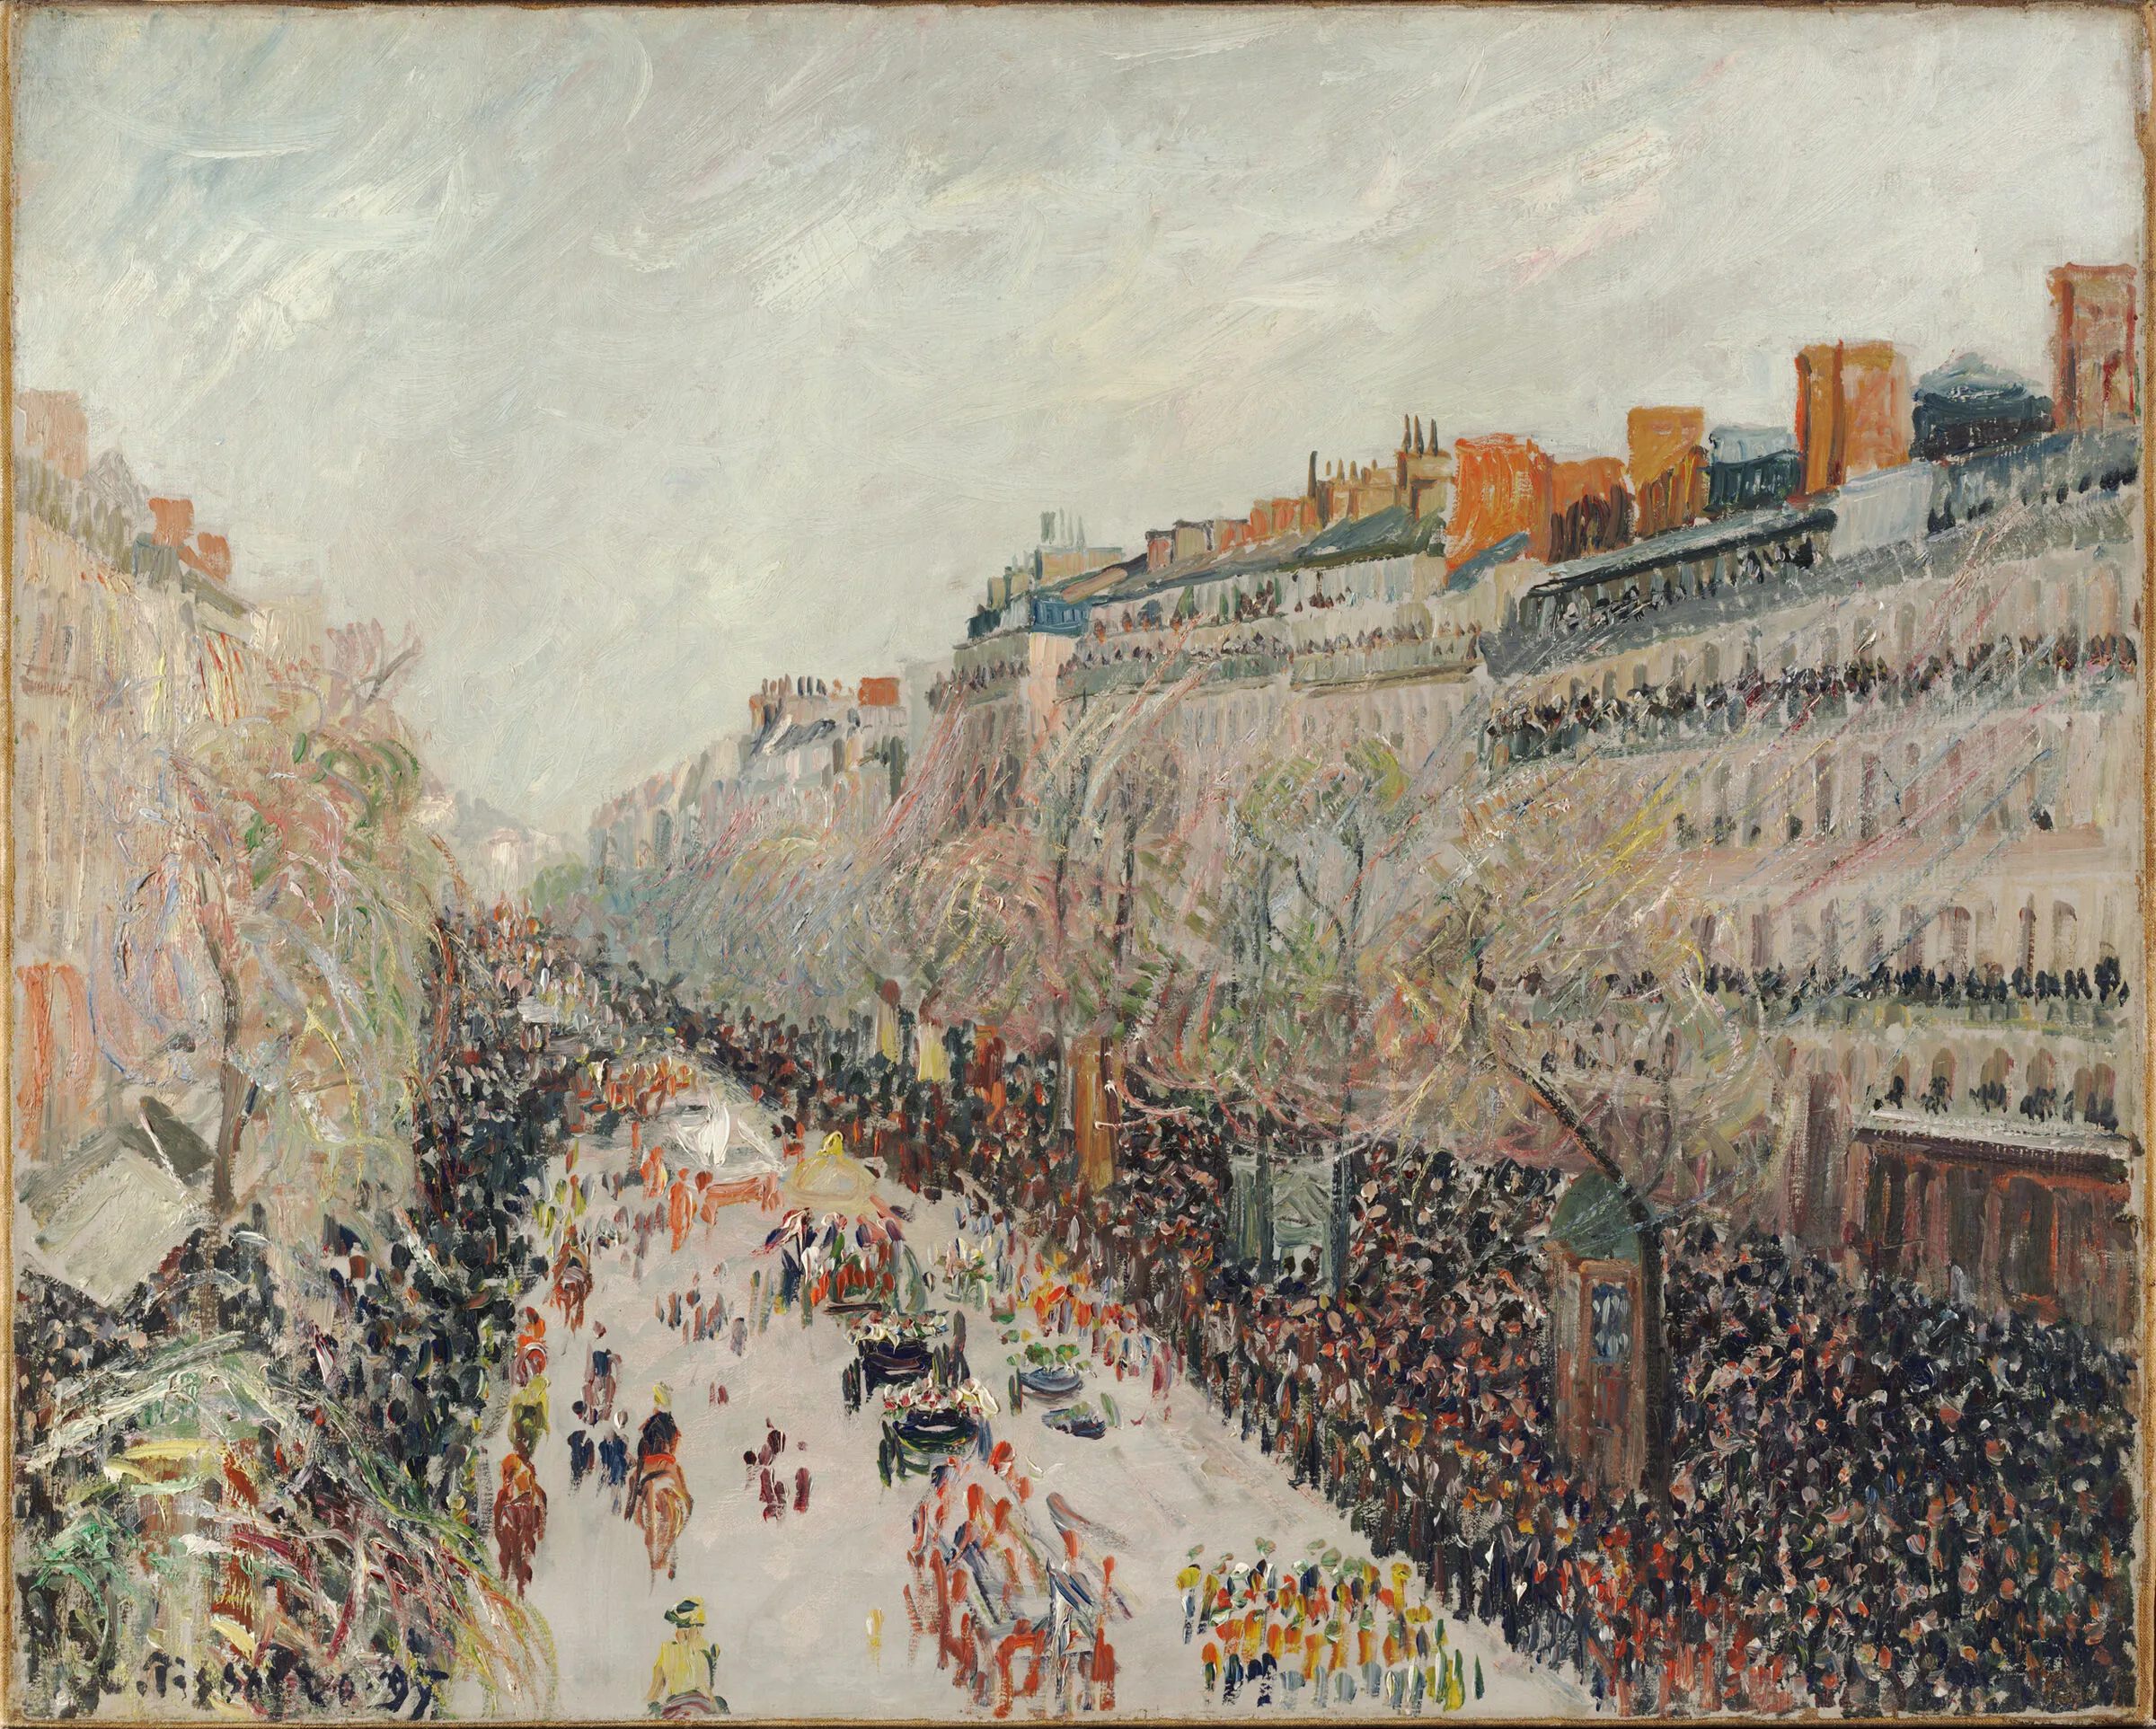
[681, 1211]
[519, 1520]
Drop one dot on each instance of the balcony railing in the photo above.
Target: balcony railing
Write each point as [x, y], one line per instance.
[1664, 718]
[1307, 666]
[1390, 660]
[2042, 1001]
[1103, 677]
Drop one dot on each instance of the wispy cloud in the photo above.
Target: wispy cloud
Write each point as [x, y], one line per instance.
[624, 352]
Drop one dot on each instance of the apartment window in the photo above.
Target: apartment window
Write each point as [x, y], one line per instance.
[1830, 940]
[1912, 940]
[2028, 938]
[1867, 800]
[2063, 946]
[1960, 927]
[1823, 795]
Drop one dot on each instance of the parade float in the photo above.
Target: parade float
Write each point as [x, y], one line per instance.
[891, 1350]
[1048, 1374]
[924, 1424]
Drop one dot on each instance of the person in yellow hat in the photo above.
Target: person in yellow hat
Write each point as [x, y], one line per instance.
[1186, 1581]
[685, 1680]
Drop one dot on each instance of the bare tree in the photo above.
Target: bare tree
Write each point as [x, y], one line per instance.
[273, 932]
[1560, 984]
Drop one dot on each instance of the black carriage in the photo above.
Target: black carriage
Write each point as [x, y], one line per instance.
[885, 1362]
[1047, 1384]
[915, 1442]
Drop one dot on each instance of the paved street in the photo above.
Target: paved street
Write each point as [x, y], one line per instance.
[789, 1600]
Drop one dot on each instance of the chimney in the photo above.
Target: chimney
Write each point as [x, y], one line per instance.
[175, 517]
[211, 554]
[1314, 474]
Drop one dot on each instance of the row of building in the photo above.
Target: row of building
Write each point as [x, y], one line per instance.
[129, 635]
[1888, 655]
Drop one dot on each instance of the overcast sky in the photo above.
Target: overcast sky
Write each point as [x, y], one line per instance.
[636, 356]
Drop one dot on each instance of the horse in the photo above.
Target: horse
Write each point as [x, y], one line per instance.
[519, 1521]
[528, 1364]
[660, 1503]
[572, 1287]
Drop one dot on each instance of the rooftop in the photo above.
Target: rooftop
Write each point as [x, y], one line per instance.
[1699, 540]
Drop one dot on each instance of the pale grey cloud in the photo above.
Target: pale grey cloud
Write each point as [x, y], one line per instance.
[634, 357]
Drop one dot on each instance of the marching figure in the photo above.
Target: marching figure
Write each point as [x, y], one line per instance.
[685, 1680]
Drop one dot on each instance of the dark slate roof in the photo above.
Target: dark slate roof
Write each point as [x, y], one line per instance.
[1699, 540]
[1472, 570]
[1970, 378]
[1386, 533]
[796, 735]
[1748, 444]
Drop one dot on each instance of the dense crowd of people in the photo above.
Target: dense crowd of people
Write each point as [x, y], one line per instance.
[1881, 1502]
[370, 1358]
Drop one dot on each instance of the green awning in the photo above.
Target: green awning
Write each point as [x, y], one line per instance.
[1593, 1221]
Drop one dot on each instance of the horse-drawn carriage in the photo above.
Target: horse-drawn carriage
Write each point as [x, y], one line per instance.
[1081, 1420]
[893, 1351]
[924, 1424]
[1047, 1376]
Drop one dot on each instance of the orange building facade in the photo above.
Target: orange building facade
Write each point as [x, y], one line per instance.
[1855, 411]
[2093, 358]
[1590, 509]
[1503, 486]
[1666, 460]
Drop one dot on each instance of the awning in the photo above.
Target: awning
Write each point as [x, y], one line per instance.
[2056, 1149]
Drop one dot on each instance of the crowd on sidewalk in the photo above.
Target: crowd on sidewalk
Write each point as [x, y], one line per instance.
[1881, 1502]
